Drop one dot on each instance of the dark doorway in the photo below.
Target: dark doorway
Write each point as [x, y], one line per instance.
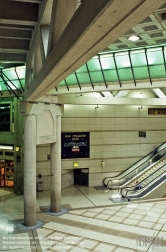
[81, 177]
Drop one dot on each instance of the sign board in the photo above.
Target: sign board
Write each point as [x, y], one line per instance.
[75, 145]
[142, 134]
[4, 117]
[156, 111]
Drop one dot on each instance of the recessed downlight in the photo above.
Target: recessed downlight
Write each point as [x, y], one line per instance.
[134, 38]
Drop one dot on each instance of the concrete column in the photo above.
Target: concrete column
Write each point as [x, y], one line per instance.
[55, 169]
[30, 170]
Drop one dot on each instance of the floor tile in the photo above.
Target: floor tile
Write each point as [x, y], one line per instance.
[116, 219]
[102, 216]
[145, 224]
[104, 247]
[88, 244]
[130, 221]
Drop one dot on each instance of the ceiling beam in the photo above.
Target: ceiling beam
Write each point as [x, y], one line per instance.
[100, 87]
[159, 93]
[14, 11]
[13, 33]
[14, 44]
[13, 57]
[111, 101]
[105, 22]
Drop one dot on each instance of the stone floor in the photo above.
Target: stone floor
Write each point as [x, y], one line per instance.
[93, 223]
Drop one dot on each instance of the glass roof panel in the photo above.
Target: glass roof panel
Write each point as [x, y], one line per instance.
[71, 80]
[83, 78]
[155, 57]
[14, 77]
[107, 62]
[111, 76]
[94, 65]
[122, 61]
[82, 69]
[10, 73]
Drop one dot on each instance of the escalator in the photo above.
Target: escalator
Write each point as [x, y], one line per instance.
[140, 170]
[153, 186]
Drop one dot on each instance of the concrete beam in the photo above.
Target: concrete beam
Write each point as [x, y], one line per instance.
[94, 26]
[21, 11]
[14, 44]
[62, 12]
[100, 87]
[13, 33]
[81, 100]
[15, 57]
[16, 26]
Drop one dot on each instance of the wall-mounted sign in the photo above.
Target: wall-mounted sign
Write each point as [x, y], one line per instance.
[4, 117]
[75, 145]
[142, 134]
[156, 111]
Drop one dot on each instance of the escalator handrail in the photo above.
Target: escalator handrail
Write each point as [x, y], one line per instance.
[143, 179]
[158, 150]
[147, 185]
[121, 189]
[133, 169]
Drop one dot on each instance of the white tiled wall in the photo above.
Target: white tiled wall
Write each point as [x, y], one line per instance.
[114, 136]
[114, 139]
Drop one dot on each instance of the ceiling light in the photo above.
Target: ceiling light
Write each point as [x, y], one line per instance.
[133, 38]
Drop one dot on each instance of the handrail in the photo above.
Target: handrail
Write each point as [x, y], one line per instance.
[145, 185]
[121, 189]
[158, 150]
[151, 157]
[142, 180]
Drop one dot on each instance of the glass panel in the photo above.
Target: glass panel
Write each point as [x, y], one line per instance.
[97, 77]
[141, 73]
[93, 64]
[122, 61]
[138, 59]
[111, 76]
[10, 74]
[83, 78]
[155, 57]
[71, 80]
[125, 74]
[21, 72]
[157, 71]
[107, 62]
[82, 69]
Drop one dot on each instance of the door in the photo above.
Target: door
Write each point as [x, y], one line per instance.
[81, 177]
[2, 176]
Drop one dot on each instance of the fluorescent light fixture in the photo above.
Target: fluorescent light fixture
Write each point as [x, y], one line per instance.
[134, 38]
[6, 147]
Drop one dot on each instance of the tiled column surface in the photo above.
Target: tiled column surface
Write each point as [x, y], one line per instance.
[55, 171]
[30, 170]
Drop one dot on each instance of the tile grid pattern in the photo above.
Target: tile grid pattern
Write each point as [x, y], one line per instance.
[146, 216]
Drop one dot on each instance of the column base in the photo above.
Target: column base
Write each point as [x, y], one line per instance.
[39, 224]
[48, 212]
